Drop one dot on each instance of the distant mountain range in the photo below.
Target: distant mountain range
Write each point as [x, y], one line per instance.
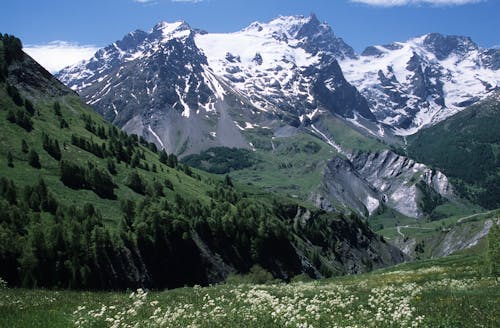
[288, 87]
[422, 81]
[292, 66]
[85, 206]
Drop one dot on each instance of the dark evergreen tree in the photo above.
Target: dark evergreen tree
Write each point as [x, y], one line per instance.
[102, 183]
[14, 95]
[136, 183]
[73, 175]
[10, 160]
[63, 124]
[163, 157]
[111, 166]
[24, 146]
[28, 105]
[57, 108]
[52, 147]
[34, 160]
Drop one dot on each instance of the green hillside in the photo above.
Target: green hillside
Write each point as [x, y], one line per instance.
[86, 206]
[466, 147]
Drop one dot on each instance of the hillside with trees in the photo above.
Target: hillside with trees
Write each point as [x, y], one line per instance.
[466, 147]
[86, 206]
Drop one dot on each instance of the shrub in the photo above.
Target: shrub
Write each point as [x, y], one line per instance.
[256, 275]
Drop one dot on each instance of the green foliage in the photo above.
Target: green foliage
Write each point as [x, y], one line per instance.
[57, 109]
[34, 159]
[10, 160]
[148, 225]
[493, 256]
[28, 105]
[24, 146]
[20, 118]
[430, 199]
[12, 48]
[256, 275]
[220, 160]
[136, 183]
[14, 94]
[77, 177]
[89, 145]
[466, 147]
[420, 294]
[51, 146]
[39, 199]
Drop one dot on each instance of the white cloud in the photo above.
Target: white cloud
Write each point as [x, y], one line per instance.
[56, 55]
[395, 3]
[192, 1]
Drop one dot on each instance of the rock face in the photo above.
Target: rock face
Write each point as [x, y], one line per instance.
[463, 235]
[183, 89]
[188, 90]
[422, 81]
[368, 181]
[158, 85]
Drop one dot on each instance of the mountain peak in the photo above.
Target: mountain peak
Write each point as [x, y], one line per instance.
[167, 31]
[288, 26]
[444, 45]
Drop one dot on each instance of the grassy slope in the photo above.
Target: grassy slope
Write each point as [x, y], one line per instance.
[291, 167]
[448, 292]
[466, 147]
[23, 174]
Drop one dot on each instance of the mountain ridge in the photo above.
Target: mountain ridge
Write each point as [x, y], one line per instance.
[86, 206]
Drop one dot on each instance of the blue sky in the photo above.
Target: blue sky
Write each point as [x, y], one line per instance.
[359, 22]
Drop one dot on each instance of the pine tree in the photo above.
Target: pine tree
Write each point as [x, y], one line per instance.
[136, 183]
[24, 146]
[111, 166]
[57, 109]
[28, 105]
[10, 160]
[34, 160]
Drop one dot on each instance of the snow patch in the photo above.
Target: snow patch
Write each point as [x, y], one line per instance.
[156, 136]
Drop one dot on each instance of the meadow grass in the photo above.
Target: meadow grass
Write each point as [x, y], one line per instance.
[449, 292]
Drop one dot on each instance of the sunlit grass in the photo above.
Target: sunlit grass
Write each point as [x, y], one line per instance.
[449, 292]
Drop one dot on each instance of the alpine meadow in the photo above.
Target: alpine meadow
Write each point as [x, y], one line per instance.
[265, 176]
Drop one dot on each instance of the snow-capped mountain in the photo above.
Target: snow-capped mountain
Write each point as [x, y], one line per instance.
[288, 64]
[422, 81]
[184, 89]
[188, 90]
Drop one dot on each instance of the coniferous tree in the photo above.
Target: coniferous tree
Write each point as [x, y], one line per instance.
[63, 124]
[28, 105]
[34, 160]
[136, 183]
[102, 184]
[163, 157]
[14, 95]
[10, 160]
[73, 175]
[24, 146]
[57, 108]
[111, 166]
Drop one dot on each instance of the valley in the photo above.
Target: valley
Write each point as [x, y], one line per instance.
[271, 175]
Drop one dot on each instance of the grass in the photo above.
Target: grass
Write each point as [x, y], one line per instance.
[47, 122]
[350, 139]
[294, 167]
[447, 292]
